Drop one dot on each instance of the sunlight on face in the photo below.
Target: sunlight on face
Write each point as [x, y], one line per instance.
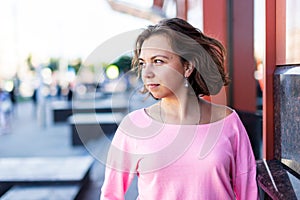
[162, 69]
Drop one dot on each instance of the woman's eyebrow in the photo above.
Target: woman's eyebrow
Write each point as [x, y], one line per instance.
[167, 57]
[153, 57]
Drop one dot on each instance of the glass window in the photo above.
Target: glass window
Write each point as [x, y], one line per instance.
[292, 31]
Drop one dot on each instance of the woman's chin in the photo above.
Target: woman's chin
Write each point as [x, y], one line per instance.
[155, 96]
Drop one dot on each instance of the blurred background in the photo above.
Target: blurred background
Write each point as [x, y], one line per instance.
[46, 42]
[53, 60]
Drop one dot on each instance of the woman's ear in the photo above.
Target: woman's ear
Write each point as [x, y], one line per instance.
[188, 69]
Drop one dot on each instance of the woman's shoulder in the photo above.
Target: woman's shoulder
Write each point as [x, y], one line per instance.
[136, 118]
[212, 112]
[222, 112]
[134, 115]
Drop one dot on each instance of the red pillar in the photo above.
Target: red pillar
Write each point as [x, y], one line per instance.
[243, 61]
[268, 111]
[182, 9]
[215, 19]
[215, 25]
[158, 3]
[275, 55]
[232, 23]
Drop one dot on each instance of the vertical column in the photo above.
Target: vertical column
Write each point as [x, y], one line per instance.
[270, 64]
[182, 9]
[158, 3]
[243, 61]
[281, 32]
[232, 23]
[215, 19]
[215, 25]
[275, 55]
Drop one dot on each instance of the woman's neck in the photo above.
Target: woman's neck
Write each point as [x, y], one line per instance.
[184, 110]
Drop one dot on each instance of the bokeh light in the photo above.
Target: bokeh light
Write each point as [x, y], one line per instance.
[112, 72]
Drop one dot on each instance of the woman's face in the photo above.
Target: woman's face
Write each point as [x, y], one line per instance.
[162, 69]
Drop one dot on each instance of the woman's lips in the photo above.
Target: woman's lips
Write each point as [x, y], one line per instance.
[152, 85]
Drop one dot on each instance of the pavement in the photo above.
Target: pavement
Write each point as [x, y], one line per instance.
[27, 135]
[34, 135]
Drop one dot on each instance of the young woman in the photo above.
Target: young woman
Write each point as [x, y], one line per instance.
[182, 147]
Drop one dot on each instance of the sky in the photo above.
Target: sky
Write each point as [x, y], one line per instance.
[57, 28]
[75, 28]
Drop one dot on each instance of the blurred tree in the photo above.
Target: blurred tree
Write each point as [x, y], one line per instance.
[29, 62]
[53, 64]
[75, 64]
[124, 63]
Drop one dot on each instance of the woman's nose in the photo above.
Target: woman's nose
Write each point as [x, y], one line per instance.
[147, 71]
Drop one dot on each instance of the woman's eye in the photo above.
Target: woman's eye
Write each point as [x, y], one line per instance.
[141, 64]
[158, 61]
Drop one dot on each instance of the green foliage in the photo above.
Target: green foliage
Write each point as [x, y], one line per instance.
[124, 63]
[53, 64]
[76, 64]
[29, 62]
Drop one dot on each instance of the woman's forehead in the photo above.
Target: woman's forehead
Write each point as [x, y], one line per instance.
[157, 42]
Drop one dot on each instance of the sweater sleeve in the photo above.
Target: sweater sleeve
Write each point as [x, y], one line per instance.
[120, 167]
[244, 182]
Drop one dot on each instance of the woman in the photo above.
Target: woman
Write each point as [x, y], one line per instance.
[182, 147]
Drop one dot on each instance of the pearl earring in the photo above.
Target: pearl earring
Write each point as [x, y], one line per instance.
[186, 82]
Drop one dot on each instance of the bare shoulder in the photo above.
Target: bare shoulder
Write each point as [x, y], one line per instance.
[214, 112]
[153, 111]
[221, 111]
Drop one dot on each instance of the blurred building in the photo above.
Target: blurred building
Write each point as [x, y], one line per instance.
[261, 37]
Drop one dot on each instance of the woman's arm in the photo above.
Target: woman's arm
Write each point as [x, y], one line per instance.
[120, 166]
[244, 182]
[115, 184]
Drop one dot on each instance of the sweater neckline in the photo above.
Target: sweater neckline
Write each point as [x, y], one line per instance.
[148, 117]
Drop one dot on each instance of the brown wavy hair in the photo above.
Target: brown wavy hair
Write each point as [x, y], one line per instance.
[206, 54]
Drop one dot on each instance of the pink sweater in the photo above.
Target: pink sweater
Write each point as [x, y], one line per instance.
[181, 162]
